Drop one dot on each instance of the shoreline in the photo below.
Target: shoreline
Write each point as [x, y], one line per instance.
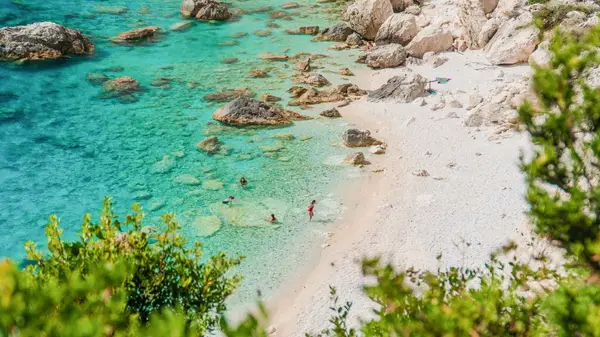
[475, 185]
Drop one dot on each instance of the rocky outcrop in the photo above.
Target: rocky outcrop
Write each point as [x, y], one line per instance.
[367, 16]
[386, 56]
[472, 19]
[121, 86]
[205, 10]
[42, 41]
[331, 113]
[354, 40]
[398, 28]
[226, 96]
[434, 39]
[402, 88]
[136, 35]
[246, 111]
[514, 41]
[356, 159]
[359, 138]
[401, 5]
[337, 33]
[209, 145]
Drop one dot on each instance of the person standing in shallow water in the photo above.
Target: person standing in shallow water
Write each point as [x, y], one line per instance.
[311, 210]
[243, 182]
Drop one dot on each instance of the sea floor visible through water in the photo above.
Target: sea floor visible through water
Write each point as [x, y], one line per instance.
[63, 147]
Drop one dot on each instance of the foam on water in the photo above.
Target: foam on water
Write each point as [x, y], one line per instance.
[63, 147]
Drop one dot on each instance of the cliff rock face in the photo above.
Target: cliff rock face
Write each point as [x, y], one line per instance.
[367, 16]
[42, 41]
[204, 10]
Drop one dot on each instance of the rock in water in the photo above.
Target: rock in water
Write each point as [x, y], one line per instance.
[359, 138]
[386, 56]
[42, 41]
[181, 26]
[309, 30]
[337, 33]
[398, 28]
[136, 35]
[402, 88]
[430, 39]
[96, 78]
[331, 113]
[204, 10]
[209, 145]
[514, 41]
[366, 16]
[246, 111]
[314, 79]
[121, 86]
[356, 158]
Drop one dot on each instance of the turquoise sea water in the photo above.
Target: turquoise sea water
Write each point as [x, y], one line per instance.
[63, 147]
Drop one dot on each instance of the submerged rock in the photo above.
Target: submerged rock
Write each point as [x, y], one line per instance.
[229, 60]
[346, 72]
[245, 111]
[205, 10]
[209, 145]
[96, 78]
[359, 138]
[403, 88]
[121, 86]
[356, 158]
[309, 30]
[137, 35]
[42, 41]
[257, 73]
[181, 26]
[187, 179]
[337, 33]
[274, 57]
[226, 96]
[206, 225]
[290, 5]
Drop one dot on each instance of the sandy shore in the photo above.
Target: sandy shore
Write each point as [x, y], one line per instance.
[470, 204]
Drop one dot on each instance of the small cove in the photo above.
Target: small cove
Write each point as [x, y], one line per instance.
[63, 147]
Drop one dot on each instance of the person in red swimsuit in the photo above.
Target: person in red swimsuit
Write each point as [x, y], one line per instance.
[311, 210]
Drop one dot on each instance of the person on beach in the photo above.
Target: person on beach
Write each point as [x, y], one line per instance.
[229, 200]
[243, 182]
[273, 219]
[368, 46]
[311, 210]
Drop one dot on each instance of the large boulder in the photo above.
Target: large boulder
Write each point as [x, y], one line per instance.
[541, 56]
[366, 16]
[204, 10]
[136, 35]
[42, 41]
[359, 138]
[514, 41]
[431, 38]
[246, 111]
[314, 79]
[487, 31]
[400, 5]
[337, 33]
[398, 28]
[488, 5]
[472, 19]
[403, 88]
[386, 56]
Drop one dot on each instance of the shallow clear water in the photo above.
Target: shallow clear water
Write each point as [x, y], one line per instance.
[63, 147]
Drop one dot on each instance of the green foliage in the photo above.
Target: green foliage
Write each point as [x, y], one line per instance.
[162, 272]
[533, 2]
[552, 15]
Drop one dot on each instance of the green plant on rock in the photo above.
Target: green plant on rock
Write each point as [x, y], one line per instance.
[163, 271]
